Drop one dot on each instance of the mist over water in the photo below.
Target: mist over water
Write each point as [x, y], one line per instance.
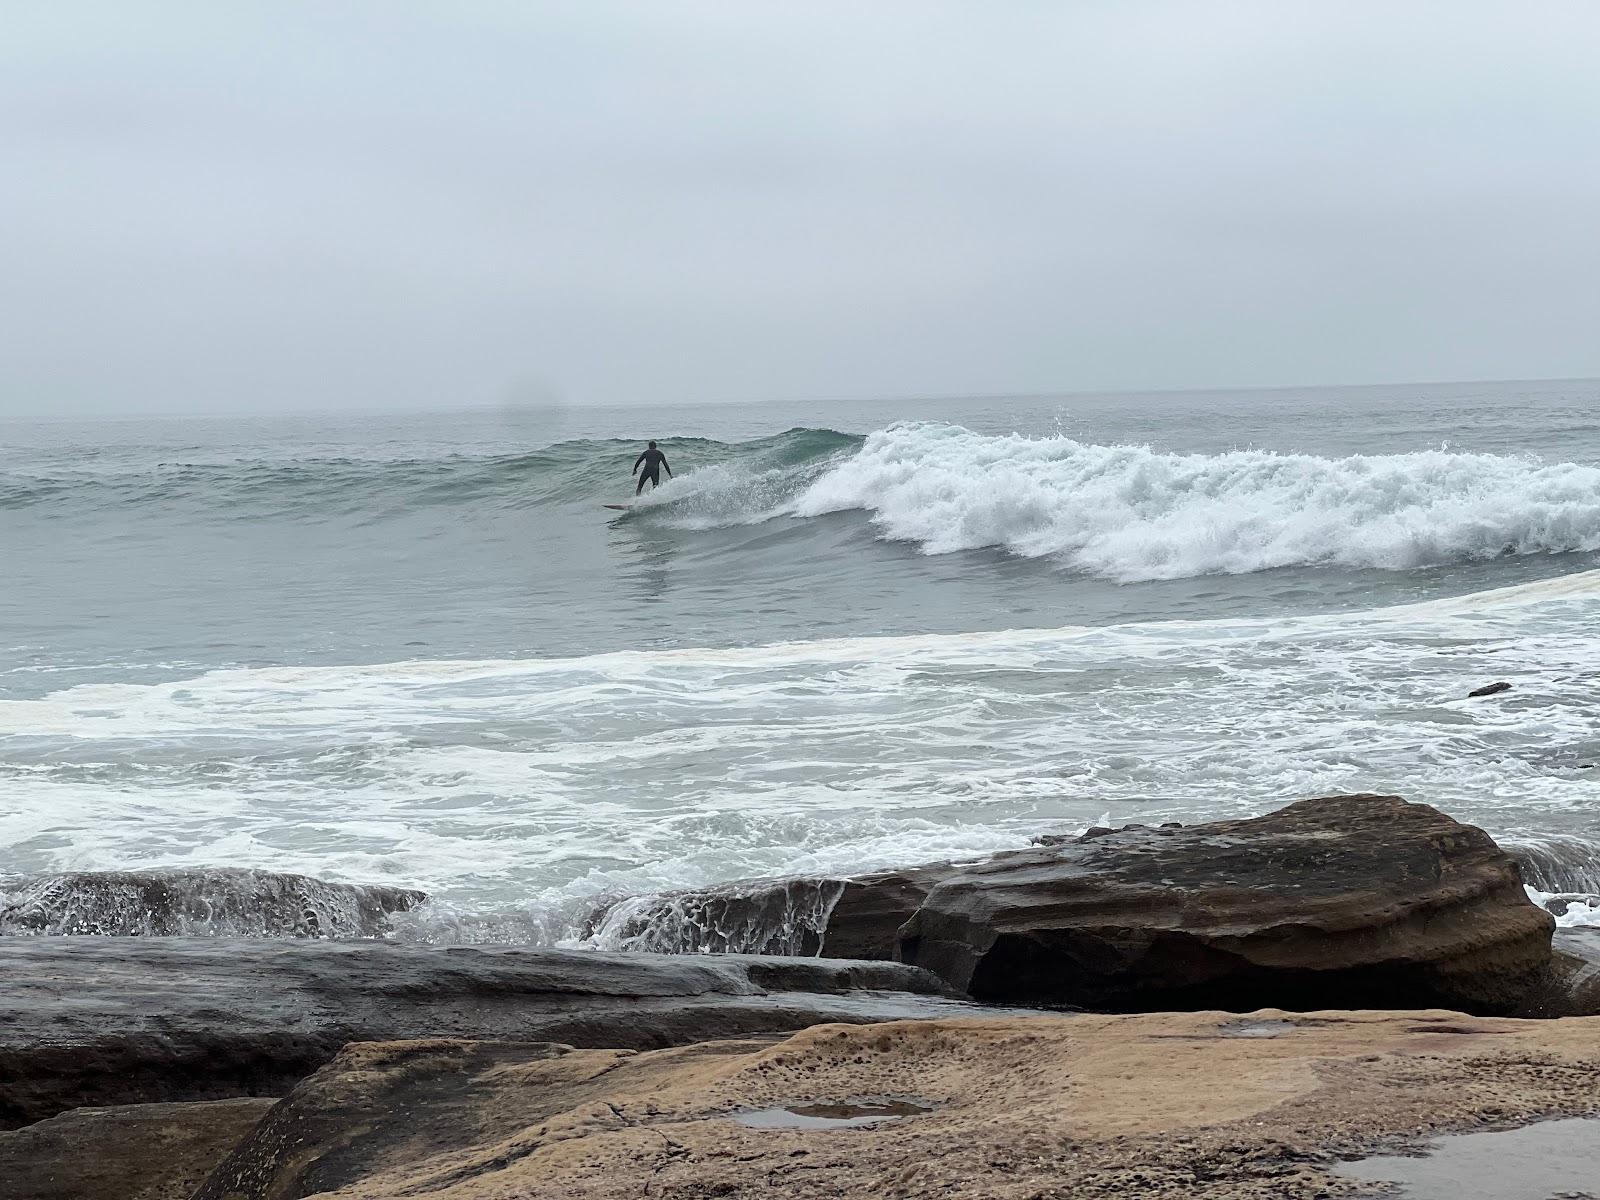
[419, 652]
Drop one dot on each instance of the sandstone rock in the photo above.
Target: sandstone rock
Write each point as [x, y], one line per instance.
[1347, 901]
[381, 1105]
[1157, 1106]
[98, 1021]
[1379, 900]
[134, 1152]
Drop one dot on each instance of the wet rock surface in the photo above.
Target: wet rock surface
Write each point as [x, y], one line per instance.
[1157, 1106]
[1354, 901]
[134, 1152]
[220, 901]
[99, 1021]
[1571, 984]
[857, 918]
[1549, 1160]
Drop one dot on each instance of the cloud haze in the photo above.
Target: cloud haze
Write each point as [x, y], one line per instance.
[219, 207]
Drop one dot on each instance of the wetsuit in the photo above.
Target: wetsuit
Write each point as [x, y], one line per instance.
[653, 461]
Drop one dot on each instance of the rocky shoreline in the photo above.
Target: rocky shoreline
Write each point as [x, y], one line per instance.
[165, 1068]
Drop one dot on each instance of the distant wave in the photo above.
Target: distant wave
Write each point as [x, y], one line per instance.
[1130, 513]
[569, 472]
[1120, 512]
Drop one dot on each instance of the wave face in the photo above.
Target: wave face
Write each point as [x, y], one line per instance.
[1120, 512]
[219, 902]
[373, 486]
[1128, 513]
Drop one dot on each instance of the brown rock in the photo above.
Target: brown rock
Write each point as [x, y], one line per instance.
[1350, 901]
[1163, 1106]
[133, 1152]
[1355, 900]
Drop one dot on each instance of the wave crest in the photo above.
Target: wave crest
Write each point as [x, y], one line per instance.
[1130, 513]
[571, 472]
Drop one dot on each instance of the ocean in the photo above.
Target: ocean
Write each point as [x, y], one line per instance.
[416, 650]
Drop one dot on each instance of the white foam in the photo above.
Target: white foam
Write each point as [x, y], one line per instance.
[1578, 911]
[533, 787]
[1130, 513]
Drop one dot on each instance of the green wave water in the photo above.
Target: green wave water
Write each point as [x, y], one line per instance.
[567, 472]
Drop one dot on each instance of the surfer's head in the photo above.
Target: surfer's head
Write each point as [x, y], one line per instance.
[652, 445]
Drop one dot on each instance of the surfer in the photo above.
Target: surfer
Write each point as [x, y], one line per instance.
[653, 461]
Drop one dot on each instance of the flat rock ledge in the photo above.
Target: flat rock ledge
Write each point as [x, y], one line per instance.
[1160, 1106]
[98, 1021]
[1356, 901]
[131, 1152]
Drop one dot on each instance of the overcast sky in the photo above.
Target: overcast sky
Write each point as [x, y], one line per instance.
[220, 206]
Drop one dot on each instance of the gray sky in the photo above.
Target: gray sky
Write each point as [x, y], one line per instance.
[219, 206]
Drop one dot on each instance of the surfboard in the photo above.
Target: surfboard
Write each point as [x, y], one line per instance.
[618, 507]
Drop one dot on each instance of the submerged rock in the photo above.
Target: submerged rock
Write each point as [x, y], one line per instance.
[221, 901]
[1489, 689]
[1351, 901]
[98, 1021]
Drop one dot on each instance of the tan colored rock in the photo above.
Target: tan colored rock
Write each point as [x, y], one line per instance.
[1156, 1106]
[133, 1152]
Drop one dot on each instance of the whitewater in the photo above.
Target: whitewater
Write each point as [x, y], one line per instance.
[1129, 513]
[420, 654]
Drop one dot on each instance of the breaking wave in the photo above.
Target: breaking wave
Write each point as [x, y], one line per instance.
[374, 486]
[1130, 513]
[1120, 512]
[207, 902]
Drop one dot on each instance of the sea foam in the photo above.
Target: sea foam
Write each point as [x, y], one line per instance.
[1131, 513]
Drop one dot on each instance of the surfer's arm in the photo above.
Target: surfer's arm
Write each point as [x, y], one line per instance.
[664, 464]
[636, 463]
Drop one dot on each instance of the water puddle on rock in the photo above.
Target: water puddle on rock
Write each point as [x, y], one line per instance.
[1263, 1028]
[841, 1115]
[1550, 1160]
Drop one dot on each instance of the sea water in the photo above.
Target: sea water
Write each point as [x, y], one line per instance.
[416, 650]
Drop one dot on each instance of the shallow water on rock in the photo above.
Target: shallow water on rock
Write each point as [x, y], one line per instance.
[1263, 1028]
[1550, 1160]
[841, 1115]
